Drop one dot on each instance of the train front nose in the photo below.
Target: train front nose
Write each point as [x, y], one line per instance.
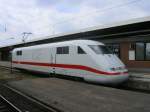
[109, 79]
[123, 77]
[117, 79]
[120, 75]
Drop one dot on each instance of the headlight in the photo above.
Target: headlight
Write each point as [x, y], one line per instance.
[113, 69]
[117, 68]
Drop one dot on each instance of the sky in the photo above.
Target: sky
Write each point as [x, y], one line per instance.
[49, 17]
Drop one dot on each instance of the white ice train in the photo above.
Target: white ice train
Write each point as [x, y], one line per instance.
[87, 59]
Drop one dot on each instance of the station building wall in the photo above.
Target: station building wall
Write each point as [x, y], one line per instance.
[135, 54]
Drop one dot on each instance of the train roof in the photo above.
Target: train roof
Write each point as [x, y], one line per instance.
[72, 42]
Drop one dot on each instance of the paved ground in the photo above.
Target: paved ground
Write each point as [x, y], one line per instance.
[79, 96]
[6, 74]
[145, 75]
[5, 63]
[72, 96]
[137, 80]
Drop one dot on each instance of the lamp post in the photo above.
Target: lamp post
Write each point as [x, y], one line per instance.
[10, 54]
[25, 36]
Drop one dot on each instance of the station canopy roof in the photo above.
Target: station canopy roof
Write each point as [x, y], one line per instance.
[123, 27]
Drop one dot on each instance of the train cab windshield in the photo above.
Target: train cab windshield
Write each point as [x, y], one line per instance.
[100, 49]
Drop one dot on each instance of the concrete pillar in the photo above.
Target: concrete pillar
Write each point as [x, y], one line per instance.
[0, 56]
[124, 52]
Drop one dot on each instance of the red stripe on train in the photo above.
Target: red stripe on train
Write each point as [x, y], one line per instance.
[81, 67]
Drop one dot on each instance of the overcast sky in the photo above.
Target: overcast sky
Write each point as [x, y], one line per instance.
[47, 17]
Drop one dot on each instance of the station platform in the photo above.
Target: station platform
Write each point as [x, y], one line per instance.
[137, 80]
[5, 63]
[73, 96]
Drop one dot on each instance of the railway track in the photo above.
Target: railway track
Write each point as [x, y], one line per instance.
[11, 98]
[6, 106]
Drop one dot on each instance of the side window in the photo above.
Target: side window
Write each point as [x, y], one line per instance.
[59, 50]
[140, 51]
[63, 50]
[80, 50]
[19, 53]
[66, 50]
[147, 51]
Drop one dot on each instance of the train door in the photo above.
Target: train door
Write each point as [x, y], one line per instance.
[52, 60]
[18, 57]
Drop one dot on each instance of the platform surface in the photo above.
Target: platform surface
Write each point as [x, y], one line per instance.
[73, 96]
[137, 80]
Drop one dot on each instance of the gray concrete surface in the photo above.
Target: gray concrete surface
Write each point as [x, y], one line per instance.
[71, 96]
[5, 74]
[137, 80]
[5, 63]
[139, 70]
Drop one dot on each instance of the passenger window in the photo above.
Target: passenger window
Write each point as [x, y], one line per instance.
[19, 53]
[80, 50]
[63, 50]
[66, 50]
[59, 50]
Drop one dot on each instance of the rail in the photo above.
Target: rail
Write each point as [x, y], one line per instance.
[6, 106]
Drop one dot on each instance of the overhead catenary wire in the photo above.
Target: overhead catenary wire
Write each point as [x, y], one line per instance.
[102, 10]
[98, 11]
[88, 14]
